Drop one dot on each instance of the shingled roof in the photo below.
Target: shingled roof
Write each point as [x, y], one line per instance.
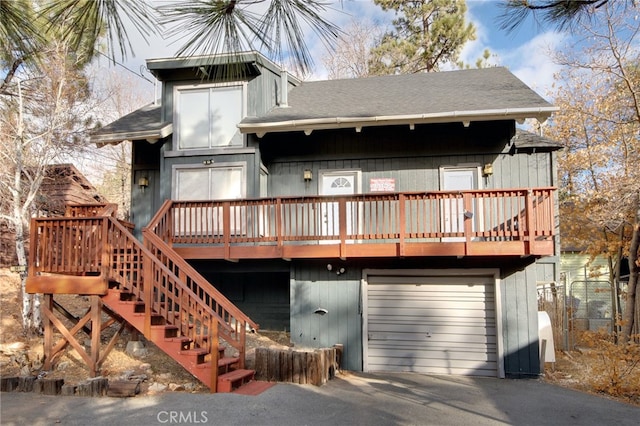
[524, 141]
[452, 96]
[142, 124]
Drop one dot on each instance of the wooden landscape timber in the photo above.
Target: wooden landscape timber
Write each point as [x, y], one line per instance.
[302, 366]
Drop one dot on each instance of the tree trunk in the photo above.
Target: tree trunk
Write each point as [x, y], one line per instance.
[31, 319]
[630, 322]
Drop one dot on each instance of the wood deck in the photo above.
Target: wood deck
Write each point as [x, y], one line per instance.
[512, 222]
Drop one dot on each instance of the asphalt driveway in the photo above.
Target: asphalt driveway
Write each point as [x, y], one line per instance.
[352, 399]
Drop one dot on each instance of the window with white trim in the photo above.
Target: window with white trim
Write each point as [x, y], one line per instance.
[221, 182]
[207, 116]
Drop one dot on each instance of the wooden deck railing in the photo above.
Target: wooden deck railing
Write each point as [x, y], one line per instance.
[103, 247]
[481, 222]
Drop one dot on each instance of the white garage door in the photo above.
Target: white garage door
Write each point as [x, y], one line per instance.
[434, 325]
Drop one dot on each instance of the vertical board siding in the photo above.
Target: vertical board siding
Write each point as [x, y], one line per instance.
[340, 325]
[145, 203]
[380, 152]
[520, 323]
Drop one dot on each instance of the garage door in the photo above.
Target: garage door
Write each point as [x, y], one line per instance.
[434, 325]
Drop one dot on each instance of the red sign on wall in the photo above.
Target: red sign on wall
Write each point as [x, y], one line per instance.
[382, 185]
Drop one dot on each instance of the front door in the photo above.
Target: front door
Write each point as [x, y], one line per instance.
[337, 183]
[456, 179]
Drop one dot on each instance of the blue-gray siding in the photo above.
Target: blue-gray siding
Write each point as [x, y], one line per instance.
[342, 324]
[520, 322]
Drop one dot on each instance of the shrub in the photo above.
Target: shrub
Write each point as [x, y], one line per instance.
[613, 368]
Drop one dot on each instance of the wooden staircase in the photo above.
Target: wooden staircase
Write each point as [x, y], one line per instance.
[149, 286]
[198, 361]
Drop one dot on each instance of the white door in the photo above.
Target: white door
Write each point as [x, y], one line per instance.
[337, 183]
[432, 325]
[456, 179]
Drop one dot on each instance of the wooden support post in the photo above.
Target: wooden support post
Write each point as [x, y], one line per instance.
[243, 340]
[147, 281]
[68, 335]
[213, 348]
[48, 331]
[96, 328]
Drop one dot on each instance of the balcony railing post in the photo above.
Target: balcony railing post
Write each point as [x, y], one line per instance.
[226, 223]
[33, 248]
[342, 221]
[529, 231]
[169, 228]
[107, 248]
[468, 218]
[402, 218]
[278, 219]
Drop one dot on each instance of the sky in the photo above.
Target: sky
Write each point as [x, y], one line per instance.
[525, 52]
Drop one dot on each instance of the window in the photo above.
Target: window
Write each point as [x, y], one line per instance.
[207, 117]
[225, 182]
[210, 183]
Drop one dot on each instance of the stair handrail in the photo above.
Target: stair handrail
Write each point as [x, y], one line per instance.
[130, 285]
[151, 233]
[231, 318]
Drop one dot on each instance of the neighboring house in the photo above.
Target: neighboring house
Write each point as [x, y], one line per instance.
[404, 217]
[588, 288]
[63, 184]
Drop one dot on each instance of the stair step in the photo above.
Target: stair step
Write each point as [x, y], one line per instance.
[234, 379]
[199, 354]
[138, 305]
[196, 351]
[225, 364]
[159, 332]
[184, 341]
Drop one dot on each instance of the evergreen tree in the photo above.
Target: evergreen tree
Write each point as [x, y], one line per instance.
[426, 35]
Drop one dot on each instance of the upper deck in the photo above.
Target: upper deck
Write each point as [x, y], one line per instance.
[507, 222]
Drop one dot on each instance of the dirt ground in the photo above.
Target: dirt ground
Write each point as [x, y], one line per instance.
[21, 355]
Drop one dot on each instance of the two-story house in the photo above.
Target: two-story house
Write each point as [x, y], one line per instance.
[404, 217]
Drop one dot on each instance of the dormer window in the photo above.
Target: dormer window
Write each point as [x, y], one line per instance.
[206, 116]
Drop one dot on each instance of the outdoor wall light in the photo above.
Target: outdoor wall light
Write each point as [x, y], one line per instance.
[321, 311]
[487, 170]
[307, 175]
[143, 182]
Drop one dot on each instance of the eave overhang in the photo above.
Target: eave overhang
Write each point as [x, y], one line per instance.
[149, 135]
[308, 125]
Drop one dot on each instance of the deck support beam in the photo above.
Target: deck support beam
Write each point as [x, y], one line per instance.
[94, 357]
